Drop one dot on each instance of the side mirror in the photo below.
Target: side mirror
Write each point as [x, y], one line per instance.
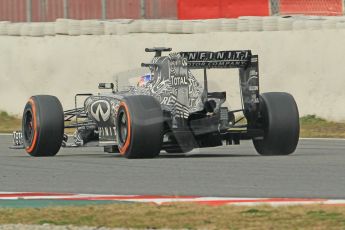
[106, 86]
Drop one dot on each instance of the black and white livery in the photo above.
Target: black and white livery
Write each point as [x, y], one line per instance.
[172, 111]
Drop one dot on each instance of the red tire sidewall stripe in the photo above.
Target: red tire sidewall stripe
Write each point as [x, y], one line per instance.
[30, 148]
[123, 149]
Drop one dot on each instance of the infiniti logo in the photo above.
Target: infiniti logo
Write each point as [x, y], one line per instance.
[100, 109]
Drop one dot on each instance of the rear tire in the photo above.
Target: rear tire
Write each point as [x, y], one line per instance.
[280, 121]
[43, 126]
[139, 127]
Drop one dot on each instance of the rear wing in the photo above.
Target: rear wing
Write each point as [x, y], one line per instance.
[248, 65]
[218, 60]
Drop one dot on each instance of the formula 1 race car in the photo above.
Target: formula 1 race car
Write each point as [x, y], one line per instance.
[168, 110]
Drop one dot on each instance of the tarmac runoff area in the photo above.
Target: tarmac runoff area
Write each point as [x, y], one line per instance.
[315, 173]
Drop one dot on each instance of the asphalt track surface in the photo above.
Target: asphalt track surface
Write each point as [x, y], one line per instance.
[315, 170]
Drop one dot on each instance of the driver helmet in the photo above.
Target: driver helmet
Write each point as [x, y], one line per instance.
[143, 80]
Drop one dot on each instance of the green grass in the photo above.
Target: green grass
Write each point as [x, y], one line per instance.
[312, 119]
[183, 215]
[314, 126]
[9, 123]
[311, 126]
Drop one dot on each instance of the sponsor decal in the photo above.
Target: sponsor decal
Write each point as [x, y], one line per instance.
[221, 59]
[222, 64]
[177, 80]
[217, 56]
[107, 131]
[168, 100]
[100, 110]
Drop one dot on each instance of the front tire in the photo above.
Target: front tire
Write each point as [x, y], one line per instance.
[139, 127]
[280, 122]
[43, 126]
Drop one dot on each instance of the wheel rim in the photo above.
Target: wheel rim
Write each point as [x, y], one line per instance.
[28, 127]
[123, 127]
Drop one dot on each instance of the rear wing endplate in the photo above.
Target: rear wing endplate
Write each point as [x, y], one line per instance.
[218, 60]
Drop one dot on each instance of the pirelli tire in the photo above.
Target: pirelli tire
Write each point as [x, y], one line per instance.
[280, 121]
[139, 125]
[43, 126]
